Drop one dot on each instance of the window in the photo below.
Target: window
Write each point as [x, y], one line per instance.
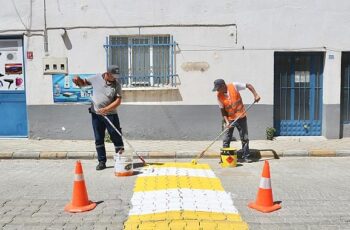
[144, 61]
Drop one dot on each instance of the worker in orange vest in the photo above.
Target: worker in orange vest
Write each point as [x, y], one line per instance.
[232, 107]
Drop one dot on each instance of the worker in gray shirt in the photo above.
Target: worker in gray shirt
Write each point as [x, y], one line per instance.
[106, 99]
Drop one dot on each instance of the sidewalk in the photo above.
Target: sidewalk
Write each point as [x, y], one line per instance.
[85, 149]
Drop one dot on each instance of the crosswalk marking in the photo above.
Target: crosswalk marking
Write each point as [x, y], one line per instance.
[181, 196]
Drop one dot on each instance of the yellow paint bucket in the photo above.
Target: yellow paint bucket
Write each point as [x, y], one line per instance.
[228, 157]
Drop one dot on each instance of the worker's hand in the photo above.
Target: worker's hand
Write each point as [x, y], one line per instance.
[103, 111]
[228, 125]
[257, 98]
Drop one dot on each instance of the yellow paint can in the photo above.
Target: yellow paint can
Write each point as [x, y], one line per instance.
[228, 157]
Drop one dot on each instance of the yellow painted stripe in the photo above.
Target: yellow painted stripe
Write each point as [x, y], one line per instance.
[187, 224]
[151, 183]
[180, 165]
[185, 215]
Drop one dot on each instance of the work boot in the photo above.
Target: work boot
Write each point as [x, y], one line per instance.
[101, 166]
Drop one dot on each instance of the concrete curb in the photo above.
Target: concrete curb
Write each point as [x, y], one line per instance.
[6, 155]
[53, 155]
[342, 153]
[167, 155]
[26, 155]
[322, 153]
[80, 155]
[295, 153]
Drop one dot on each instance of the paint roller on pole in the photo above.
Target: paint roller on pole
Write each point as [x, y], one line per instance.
[119, 133]
[194, 161]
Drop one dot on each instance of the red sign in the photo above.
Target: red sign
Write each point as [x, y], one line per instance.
[30, 55]
[229, 159]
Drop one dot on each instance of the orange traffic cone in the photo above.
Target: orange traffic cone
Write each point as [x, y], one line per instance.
[264, 200]
[80, 201]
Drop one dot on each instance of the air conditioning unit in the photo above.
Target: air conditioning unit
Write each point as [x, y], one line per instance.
[55, 65]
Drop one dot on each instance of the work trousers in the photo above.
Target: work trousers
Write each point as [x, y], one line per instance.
[100, 124]
[242, 128]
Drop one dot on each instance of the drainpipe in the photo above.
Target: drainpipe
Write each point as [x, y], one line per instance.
[46, 43]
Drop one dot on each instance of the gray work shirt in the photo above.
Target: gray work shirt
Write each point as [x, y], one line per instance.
[103, 93]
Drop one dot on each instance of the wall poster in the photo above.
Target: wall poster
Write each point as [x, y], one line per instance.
[64, 90]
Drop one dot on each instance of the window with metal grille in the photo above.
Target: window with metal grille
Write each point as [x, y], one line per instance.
[144, 61]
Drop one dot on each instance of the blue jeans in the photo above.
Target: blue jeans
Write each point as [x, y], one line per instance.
[100, 124]
[242, 127]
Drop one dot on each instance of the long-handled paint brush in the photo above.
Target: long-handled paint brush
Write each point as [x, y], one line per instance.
[195, 160]
[120, 134]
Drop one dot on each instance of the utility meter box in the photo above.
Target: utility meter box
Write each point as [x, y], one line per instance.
[55, 65]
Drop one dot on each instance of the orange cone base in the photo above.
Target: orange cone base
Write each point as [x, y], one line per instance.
[264, 208]
[70, 208]
[129, 173]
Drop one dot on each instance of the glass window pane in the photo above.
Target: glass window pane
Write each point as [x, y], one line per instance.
[143, 60]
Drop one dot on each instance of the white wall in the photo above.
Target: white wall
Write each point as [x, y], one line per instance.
[332, 78]
[263, 26]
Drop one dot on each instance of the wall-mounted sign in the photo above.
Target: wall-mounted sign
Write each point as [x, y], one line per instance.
[64, 90]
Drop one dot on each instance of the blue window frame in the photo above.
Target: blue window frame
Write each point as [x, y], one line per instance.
[144, 61]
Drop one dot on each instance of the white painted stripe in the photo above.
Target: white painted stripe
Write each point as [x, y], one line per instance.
[79, 177]
[181, 199]
[265, 183]
[172, 171]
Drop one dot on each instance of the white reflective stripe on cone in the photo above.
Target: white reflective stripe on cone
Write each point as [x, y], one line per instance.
[79, 177]
[265, 183]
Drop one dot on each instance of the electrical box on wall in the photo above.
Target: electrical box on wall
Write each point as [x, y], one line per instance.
[55, 65]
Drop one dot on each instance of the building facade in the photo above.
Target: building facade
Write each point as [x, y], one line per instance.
[295, 53]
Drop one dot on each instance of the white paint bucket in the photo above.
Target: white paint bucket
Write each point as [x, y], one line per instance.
[123, 165]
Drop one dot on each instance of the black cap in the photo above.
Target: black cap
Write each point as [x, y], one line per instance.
[113, 69]
[218, 83]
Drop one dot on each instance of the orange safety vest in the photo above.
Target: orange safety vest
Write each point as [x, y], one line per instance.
[234, 104]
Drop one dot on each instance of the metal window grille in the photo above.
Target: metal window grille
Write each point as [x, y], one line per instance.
[144, 61]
